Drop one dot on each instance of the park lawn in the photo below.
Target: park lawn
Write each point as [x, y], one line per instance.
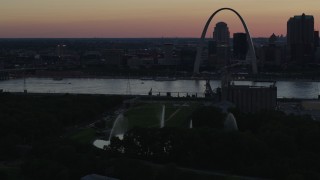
[170, 109]
[84, 136]
[146, 115]
[182, 117]
[149, 115]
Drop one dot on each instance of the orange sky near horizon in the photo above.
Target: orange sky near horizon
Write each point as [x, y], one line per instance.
[145, 18]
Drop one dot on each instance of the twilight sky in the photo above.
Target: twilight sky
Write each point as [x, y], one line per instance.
[145, 18]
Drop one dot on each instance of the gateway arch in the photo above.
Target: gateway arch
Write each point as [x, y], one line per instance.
[251, 54]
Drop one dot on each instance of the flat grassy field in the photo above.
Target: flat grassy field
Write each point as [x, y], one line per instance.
[149, 114]
[146, 115]
[179, 116]
[83, 136]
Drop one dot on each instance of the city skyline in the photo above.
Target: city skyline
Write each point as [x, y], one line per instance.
[124, 19]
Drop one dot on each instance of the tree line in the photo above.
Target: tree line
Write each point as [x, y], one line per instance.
[268, 144]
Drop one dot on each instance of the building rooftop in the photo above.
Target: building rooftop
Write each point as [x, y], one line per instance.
[303, 15]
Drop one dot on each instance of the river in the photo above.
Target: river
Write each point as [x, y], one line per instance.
[286, 89]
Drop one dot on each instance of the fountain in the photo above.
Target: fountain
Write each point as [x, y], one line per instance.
[118, 129]
[99, 143]
[191, 125]
[162, 116]
[230, 124]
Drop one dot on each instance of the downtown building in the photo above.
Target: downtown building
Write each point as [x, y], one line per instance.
[240, 46]
[251, 99]
[317, 46]
[301, 39]
[219, 49]
[272, 54]
[221, 34]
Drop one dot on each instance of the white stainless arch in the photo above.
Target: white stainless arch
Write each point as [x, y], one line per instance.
[251, 55]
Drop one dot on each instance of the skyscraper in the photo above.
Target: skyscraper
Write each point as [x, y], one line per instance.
[212, 48]
[317, 46]
[300, 38]
[221, 34]
[316, 39]
[240, 46]
[221, 37]
[273, 54]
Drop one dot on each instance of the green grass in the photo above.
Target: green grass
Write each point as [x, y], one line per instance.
[182, 117]
[84, 136]
[148, 115]
[170, 109]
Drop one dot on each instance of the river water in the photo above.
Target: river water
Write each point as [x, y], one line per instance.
[287, 89]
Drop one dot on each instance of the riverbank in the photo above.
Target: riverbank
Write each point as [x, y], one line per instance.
[177, 88]
[151, 98]
[154, 78]
[60, 74]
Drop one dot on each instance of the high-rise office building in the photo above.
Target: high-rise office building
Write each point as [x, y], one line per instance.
[221, 34]
[212, 48]
[300, 38]
[316, 39]
[317, 46]
[240, 46]
[273, 54]
[221, 37]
